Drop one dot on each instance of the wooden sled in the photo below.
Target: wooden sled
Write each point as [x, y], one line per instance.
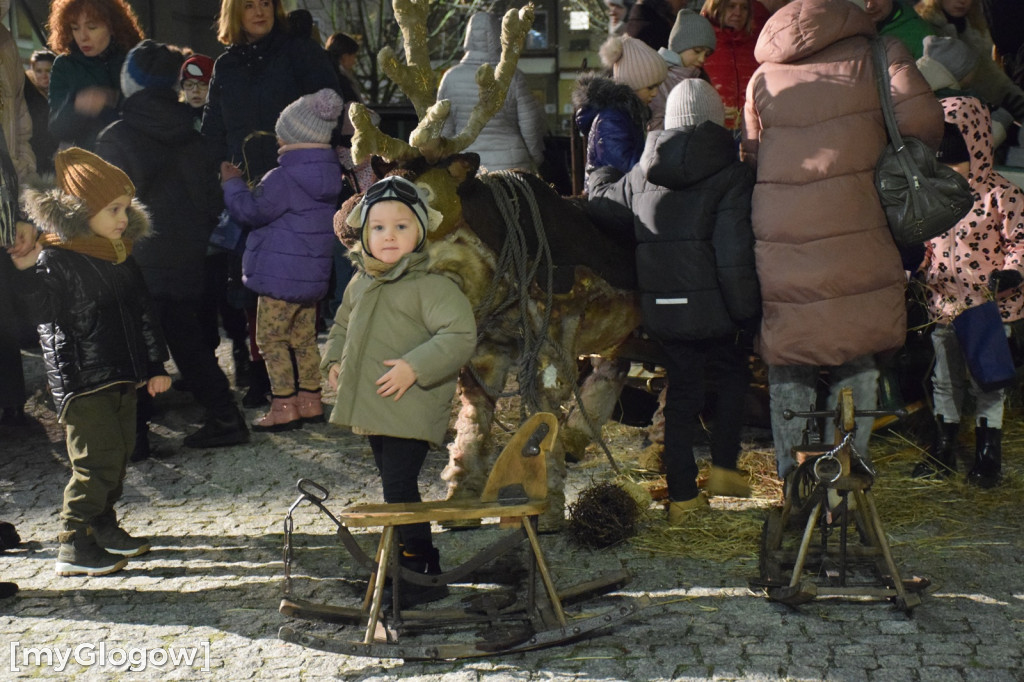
[830, 489]
[503, 621]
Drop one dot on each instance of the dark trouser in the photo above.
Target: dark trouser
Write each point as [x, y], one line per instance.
[341, 273]
[219, 270]
[726, 363]
[100, 437]
[12, 376]
[194, 358]
[399, 461]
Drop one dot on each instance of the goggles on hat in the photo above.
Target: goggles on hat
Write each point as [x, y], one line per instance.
[400, 189]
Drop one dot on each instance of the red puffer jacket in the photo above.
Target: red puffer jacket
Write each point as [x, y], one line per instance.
[730, 67]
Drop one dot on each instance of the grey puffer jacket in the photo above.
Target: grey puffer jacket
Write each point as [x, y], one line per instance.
[94, 319]
[514, 137]
[688, 203]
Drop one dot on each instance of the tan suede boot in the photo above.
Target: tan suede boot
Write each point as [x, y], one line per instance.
[680, 513]
[728, 482]
[283, 416]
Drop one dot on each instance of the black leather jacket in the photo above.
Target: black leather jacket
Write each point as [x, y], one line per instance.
[94, 319]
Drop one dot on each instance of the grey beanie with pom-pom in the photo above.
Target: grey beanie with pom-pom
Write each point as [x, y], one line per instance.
[310, 119]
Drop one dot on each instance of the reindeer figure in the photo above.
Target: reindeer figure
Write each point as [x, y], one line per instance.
[546, 284]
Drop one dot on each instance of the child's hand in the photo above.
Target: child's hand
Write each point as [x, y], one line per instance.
[28, 260]
[24, 239]
[397, 380]
[158, 384]
[332, 376]
[229, 171]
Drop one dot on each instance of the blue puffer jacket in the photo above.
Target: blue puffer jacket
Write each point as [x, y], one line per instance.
[613, 118]
[252, 83]
[288, 253]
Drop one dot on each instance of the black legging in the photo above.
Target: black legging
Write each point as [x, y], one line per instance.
[399, 461]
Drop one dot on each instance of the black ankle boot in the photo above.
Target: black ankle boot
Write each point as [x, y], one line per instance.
[242, 365]
[142, 449]
[941, 461]
[427, 562]
[220, 430]
[259, 386]
[988, 456]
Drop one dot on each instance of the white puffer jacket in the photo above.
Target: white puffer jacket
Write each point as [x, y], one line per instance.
[514, 138]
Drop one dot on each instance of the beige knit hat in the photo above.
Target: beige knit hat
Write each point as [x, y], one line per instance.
[633, 62]
[82, 174]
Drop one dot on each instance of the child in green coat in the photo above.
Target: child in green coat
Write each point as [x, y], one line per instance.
[400, 336]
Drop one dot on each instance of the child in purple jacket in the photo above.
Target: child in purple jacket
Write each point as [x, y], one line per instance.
[287, 259]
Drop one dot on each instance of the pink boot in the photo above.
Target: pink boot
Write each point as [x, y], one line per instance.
[311, 410]
[283, 416]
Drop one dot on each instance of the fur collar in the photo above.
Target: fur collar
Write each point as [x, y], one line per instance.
[67, 216]
[597, 92]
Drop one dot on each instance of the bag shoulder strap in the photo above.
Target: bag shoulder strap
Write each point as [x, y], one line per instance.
[881, 63]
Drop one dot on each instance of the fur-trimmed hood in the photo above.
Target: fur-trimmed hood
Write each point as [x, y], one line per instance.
[594, 92]
[66, 216]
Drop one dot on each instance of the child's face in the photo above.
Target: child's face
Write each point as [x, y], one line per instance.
[112, 219]
[394, 231]
[694, 56]
[647, 94]
[41, 74]
[195, 92]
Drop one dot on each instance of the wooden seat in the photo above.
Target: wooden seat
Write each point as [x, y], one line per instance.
[515, 492]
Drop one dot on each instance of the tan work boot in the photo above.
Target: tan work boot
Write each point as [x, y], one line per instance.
[728, 482]
[283, 416]
[681, 512]
[311, 410]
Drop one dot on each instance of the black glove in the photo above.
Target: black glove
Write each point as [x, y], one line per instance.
[1003, 280]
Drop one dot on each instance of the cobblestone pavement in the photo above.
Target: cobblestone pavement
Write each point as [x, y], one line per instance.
[214, 578]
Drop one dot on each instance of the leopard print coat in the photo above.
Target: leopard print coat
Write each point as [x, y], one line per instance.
[959, 263]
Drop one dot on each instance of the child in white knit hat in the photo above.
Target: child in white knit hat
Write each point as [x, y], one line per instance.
[288, 253]
[612, 112]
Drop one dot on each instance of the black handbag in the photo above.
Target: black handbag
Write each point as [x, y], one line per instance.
[922, 198]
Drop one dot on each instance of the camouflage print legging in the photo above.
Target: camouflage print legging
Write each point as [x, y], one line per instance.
[282, 326]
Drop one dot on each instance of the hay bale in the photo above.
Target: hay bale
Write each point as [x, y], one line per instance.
[603, 515]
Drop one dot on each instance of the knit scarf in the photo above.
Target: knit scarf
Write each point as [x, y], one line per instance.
[111, 250]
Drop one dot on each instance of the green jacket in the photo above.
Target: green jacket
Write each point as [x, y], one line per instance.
[73, 72]
[410, 313]
[904, 23]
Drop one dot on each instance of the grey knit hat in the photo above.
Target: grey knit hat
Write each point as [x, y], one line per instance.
[633, 62]
[691, 102]
[310, 118]
[691, 30]
[952, 53]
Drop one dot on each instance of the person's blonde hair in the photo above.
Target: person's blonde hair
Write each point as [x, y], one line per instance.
[229, 21]
[715, 11]
[931, 10]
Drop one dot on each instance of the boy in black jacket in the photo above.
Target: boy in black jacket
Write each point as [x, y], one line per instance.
[688, 202]
[99, 342]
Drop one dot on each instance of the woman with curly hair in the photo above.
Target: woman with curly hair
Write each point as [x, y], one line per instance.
[91, 39]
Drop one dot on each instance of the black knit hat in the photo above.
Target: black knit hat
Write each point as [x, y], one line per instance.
[952, 149]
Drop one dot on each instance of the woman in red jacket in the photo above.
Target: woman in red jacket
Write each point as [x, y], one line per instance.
[732, 63]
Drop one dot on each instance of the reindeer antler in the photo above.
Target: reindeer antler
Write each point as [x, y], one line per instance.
[419, 82]
[416, 79]
[493, 83]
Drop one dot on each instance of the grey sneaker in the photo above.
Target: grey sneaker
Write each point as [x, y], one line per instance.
[80, 555]
[116, 540]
